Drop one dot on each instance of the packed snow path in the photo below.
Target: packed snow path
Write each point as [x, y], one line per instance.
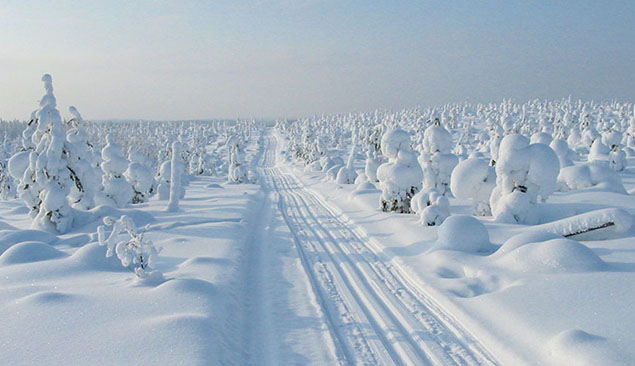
[374, 315]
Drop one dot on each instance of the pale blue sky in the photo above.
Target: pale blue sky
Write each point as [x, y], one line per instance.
[278, 58]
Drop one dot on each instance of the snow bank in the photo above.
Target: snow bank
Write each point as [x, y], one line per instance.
[590, 176]
[525, 238]
[575, 347]
[9, 238]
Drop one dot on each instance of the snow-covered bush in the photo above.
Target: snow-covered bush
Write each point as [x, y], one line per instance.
[116, 188]
[400, 178]
[525, 173]
[134, 251]
[474, 179]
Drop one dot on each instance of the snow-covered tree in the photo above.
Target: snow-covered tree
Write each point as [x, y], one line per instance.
[525, 174]
[175, 178]
[47, 197]
[237, 172]
[114, 165]
[139, 176]
[474, 179]
[347, 174]
[437, 158]
[400, 178]
[82, 163]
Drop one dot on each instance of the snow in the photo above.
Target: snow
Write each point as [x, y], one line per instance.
[464, 234]
[552, 256]
[303, 267]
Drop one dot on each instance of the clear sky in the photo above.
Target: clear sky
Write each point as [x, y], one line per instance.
[283, 58]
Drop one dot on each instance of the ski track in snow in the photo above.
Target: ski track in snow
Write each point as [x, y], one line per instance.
[374, 315]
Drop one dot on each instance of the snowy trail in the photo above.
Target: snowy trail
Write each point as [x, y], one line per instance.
[374, 316]
[282, 322]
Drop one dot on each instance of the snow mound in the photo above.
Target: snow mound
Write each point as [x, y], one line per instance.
[464, 234]
[519, 240]
[46, 298]
[187, 286]
[93, 256]
[553, 256]
[365, 188]
[593, 176]
[30, 251]
[576, 347]
[9, 237]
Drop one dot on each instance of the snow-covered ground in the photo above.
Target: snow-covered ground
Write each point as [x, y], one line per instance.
[544, 304]
[297, 269]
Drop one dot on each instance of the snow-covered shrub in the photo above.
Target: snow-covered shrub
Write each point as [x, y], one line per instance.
[525, 173]
[114, 165]
[134, 251]
[400, 178]
[474, 179]
[437, 159]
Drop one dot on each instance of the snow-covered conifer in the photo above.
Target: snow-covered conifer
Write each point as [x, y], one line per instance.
[139, 176]
[114, 165]
[474, 179]
[347, 174]
[82, 164]
[525, 174]
[400, 178]
[237, 171]
[49, 166]
[437, 158]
